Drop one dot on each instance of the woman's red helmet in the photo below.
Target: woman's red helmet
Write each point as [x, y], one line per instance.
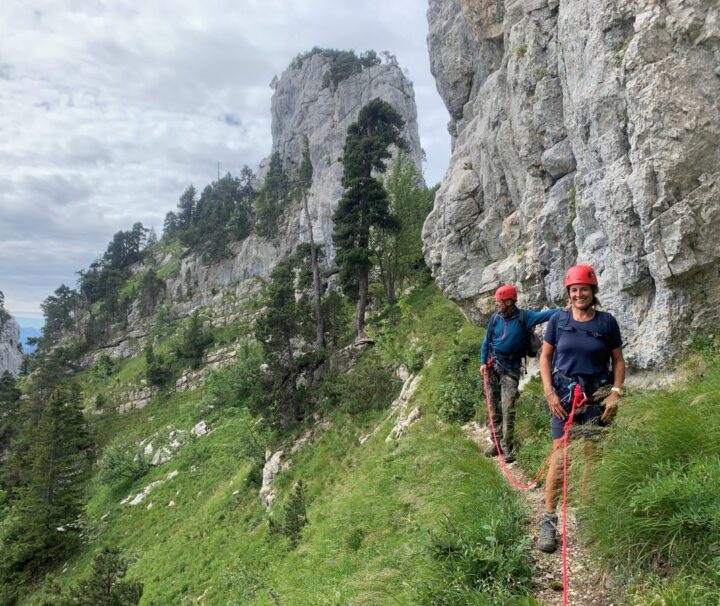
[506, 292]
[581, 274]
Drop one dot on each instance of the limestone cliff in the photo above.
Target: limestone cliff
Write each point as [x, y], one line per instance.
[303, 105]
[583, 132]
[10, 355]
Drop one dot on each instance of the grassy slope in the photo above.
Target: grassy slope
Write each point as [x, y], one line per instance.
[654, 508]
[377, 513]
[374, 511]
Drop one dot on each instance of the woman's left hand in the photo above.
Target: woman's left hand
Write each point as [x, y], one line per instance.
[611, 406]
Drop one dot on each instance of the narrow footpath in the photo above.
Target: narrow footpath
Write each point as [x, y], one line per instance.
[588, 586]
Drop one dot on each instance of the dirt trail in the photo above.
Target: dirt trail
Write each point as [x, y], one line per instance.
[587, 585]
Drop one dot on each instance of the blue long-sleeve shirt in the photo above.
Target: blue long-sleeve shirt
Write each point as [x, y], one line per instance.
[508, 338]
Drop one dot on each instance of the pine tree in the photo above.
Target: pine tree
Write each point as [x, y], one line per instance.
[305, 175]
[9, 405]
[276, 329]
[105, 585]
[364, 203]
[43, 526]
[194, 342]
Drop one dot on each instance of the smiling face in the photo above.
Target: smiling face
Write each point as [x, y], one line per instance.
[581, 295]
[503, 306]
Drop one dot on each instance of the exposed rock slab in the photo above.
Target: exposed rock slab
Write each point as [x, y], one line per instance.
[594, 137]
[10, 356]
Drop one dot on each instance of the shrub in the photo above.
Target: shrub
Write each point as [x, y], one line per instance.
[462, 389]
[104, 586]
[104, 367]
[195, 340]
[121, 464]
[234, 385]
[158, 369]
[369, 386]
[479, 562]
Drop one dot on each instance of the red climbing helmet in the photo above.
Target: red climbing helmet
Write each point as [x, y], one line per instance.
[581, 274]
[506, 292]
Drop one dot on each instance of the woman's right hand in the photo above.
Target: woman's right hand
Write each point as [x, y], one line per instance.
[556, 408]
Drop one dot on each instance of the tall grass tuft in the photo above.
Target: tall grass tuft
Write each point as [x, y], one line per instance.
[656, 492]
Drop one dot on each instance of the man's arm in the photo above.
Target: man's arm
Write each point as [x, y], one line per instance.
[539, 317]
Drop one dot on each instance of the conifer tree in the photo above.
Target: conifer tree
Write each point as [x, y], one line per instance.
[305, 175]
[276, 329]
[43, 525]
[9, 404]
[272, 198]
[105, 585]
[364, 203]
[194, 341]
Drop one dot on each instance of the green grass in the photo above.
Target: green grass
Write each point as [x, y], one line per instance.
[661, 473]
[422, 520]
[425, 520]
[654, 503]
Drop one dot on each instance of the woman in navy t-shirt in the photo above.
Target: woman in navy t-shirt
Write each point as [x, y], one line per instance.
[582, 345]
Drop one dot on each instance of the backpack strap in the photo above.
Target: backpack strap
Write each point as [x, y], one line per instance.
[491, 332]
[566, 317]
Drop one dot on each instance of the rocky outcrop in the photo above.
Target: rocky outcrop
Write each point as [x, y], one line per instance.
[10, 354]
[584, 132]
[302, 106]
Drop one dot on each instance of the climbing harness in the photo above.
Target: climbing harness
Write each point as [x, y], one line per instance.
[578, 400]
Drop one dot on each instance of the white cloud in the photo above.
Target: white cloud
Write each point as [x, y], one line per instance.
[111, 108]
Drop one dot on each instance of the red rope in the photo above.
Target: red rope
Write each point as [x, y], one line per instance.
[579, 399]
[500, 452]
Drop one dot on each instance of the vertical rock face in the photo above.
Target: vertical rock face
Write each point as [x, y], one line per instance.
[10, 356]
[583, 132]
[303, 106]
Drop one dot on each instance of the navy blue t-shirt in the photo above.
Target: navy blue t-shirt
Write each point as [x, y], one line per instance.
[583, 348]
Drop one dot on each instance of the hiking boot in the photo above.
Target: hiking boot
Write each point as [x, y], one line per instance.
[546, 539]
[491, 451]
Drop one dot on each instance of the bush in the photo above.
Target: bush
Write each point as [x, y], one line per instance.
[158, 369]
[368, 386]
[479, 562]
[195, 340]
[121, 464]
[234, 385]
[104, 587]
[462, 388]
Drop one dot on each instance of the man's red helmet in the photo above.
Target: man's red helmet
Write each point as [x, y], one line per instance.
[581, 274]
[506, 292]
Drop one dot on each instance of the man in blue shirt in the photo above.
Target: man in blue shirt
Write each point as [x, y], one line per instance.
[501, 358]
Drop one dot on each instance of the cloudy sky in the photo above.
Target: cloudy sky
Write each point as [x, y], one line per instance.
[110, 108]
